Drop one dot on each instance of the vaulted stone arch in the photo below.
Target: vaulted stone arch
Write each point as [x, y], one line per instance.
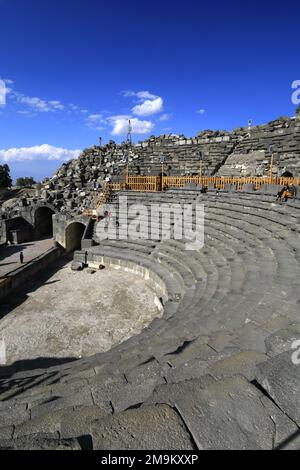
[43, 224]
[73, 236]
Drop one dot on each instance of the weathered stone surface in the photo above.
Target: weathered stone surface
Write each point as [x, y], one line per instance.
[189, 370]
[151, 372]
[281, 379]
[243, 363]
[282, 340]
[83, 396]
[78, 422]
[6, 432]
[120, 396]
[12, 414]
[40, 442]
[226, 414]
[68, 422]
[77, 266]
[286, 434]
[153, 427]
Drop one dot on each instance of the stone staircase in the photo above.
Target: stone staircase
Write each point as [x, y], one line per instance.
[215, 372]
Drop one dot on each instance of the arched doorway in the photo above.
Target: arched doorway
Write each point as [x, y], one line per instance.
[74, 234]
[287, 174]
[43, 224]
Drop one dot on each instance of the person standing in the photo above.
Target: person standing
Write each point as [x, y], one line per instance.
[21, 257]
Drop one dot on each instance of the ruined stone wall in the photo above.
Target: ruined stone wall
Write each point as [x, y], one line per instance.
[242, 152]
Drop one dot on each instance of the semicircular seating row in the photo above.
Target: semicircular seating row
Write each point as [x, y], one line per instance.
[216, 371]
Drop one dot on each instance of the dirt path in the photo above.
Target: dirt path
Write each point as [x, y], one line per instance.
[10, 255]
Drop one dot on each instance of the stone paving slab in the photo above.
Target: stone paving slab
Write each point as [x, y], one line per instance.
[38, 442]
[225, 414]
[280, 377]
[150, 428]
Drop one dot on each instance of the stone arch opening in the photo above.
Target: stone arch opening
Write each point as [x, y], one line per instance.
[74, 234]
[287, 174]
[43, 223]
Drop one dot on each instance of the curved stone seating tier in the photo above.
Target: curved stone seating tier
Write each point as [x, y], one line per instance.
[215, 371]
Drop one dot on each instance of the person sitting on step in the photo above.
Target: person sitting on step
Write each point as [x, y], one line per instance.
[292, 190]
[287, 192]
[281, 193]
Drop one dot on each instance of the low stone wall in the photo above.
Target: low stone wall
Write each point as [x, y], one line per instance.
[16, 278]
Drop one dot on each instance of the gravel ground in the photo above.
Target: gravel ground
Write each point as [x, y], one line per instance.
[76, 314]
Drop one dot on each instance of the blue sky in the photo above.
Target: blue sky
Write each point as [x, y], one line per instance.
[75, 70]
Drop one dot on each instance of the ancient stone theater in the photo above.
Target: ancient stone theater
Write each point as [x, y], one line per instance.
[157, 302]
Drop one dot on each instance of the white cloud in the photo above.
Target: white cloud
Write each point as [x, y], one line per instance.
[37, 104]
[37, 153]
[96, 121]
[73, 107]
[148, 107]
[128, 93]
[142, 95]
[148, 103]
[200, 111]
[33, 102]
[120, 125]
[95, 117]
[165, 117]
[56, 105]
[3, 92]
[146, 95]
